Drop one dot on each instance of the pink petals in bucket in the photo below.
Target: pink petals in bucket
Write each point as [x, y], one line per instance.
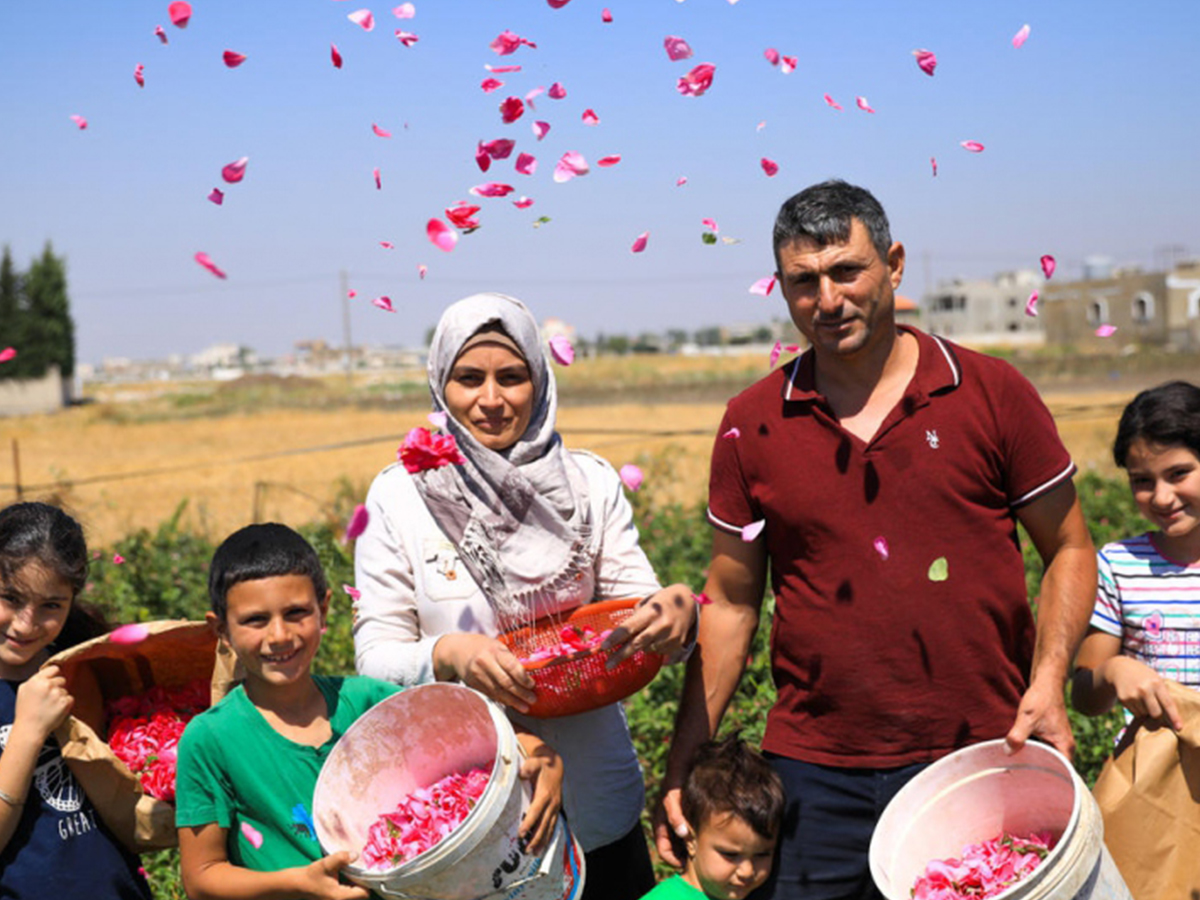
[442, 235]
[983, 870]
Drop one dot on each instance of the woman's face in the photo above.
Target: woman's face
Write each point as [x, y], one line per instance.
[490, 393]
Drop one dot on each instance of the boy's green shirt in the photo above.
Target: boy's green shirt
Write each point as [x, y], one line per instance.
[675, 888]
[234, 769]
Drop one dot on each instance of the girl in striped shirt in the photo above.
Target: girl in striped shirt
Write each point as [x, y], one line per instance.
[1146, 624]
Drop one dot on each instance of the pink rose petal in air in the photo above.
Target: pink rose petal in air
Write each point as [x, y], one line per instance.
[556, 91]
[562, 350]
[927, 60]
[491, 84]
[523, 203]
[358, 522]
[511, 109]
[384, 303]
[180, 12]
[1021, 36]
[233, 59]
[378, 180]
[500, 70]
[421, 270]
[235, 171]
[351, 294]
[491, 189]
[8, 353]
[1106, 331]
[1031, 309]
[772, 56]
[387, 245]
[380, 132]
[681, 181]
[407, 38]
[881, 547]
[590, 117]
[769, 166]
[351, 591]
[217, 196]
[631, 476]
[404, 11]
[677, 48]
[971, 146]
[710, 224]
[1048, 265]
[129, 634]
[160, 33]
[763, 287]
[80, 121]
[499, 148]
[506, 42]
[335, 56]
[526, 164]
[933, 165]
[732, 434]
[570, 165]
[139, 76]
[829, 101]
[776, 352]
[118, 559]
[438, 419]
[363, 18]
[702, 599]
[205, 260]
[557, 4]
[442, 235]
[696, 82]
[863, 104]
[639, 243]
[753, 530]
[540, 129]
[605, 15]
[530, 96]
[787, 64]
[462, 215]
[252, 834]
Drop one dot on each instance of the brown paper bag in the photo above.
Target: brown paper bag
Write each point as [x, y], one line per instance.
[1149, 796]
[174, 654]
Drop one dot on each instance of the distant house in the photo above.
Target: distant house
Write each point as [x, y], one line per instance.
[985, 312]
[908, 311]
[23, 396]
[1153, 308]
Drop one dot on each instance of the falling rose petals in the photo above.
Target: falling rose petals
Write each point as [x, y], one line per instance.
[500, 148]
[358, 522]
[927, 60]
[681, 181]
[363, 18]
[639, 243]
[491, 189]
[482, 160]
[605, 15]
[732, 434]
[384, 303]
[769, 166]
[129, 634]
[351, 294]
[500, 70]
[631, 476]
[511, 109]
[387, 245]
[252, 834]
[8, 353]
[753, 530]
[352, 592]
[696, 82]
[335, 56]
[407, 38]
[118, 559]
[532, 95]
[763, 287]
[563, 352]
[933, 165]
[702, 599]
[438, 419]
[442, 235]
[590, 117]
[971, 146]
[506, 42]
[771, 55]
[235, 171]
[540, 129]
[233, 59]
[711, 225]
[881, 547]
[179, 12]
[776, 352]
[421, 270]
[139, 76]
[205, 260]
[380, 132]
[404, 11]
[569, 166]
[160, 33]
[491, 84]
[378, 180]
[217, 196]
[1021, 36]
[677, 48]
[557, 4]
[1031, 305]
[863, 104]
[526, 164]
[1048, 265]
[829, 101]
[463, 215]
[1106, 331]
[760, 126]
[787, 64]
[523, 203]
[556, 91]
[80, 121]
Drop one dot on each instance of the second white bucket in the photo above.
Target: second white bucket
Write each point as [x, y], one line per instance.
[979, 792]
[410, 740]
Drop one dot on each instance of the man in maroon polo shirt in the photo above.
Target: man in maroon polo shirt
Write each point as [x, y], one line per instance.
[890, 468]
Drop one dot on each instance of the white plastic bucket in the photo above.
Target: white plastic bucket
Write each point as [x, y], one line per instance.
[979, 792]
[410, 740]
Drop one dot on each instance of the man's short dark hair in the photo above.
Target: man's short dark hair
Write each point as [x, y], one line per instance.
[824, 213]
[727, 776]
[262, 551]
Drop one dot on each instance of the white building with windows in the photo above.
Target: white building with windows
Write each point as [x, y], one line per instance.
[982, 312]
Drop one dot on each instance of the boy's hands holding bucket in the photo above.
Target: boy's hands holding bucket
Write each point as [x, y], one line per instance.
[542, 767]
[320, 879]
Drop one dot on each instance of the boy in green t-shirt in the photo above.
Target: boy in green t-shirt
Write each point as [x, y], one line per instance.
[247, 767]
[733, 803]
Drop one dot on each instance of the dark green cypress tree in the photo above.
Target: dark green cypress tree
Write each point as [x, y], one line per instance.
[12, 318]
[48, 332]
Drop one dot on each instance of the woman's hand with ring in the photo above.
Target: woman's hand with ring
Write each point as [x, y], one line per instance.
[662, 623]
[485, 664]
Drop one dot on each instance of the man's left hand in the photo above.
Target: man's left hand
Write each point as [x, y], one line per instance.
[1043, 714]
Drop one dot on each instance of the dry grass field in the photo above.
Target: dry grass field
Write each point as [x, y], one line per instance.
[148, 456]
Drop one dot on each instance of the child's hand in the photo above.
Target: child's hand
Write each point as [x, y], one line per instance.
[1142, 691]
[543, 767]
[320, 879]
[43, 702]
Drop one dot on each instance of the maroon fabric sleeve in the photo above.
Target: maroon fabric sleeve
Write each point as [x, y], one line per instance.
[1037, 461]
[730, 505]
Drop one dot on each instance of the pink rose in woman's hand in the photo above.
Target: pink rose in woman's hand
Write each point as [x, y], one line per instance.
[422, 449]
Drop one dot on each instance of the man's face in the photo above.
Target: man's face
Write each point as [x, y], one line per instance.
[841, 296]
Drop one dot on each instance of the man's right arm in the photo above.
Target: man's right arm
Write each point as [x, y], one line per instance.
[736, 580]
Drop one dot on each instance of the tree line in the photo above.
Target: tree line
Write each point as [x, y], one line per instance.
[35, 316]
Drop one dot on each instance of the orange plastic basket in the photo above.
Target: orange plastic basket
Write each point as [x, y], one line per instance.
[573, 684]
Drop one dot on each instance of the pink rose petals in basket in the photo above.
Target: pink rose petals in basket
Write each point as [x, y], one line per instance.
[144, 732]
[983, 870]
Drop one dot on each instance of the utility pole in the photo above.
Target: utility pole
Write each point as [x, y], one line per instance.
[347, 347]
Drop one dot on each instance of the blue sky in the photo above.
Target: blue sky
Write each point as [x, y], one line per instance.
[1090, 132]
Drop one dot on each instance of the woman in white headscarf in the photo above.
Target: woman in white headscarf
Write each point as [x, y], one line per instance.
[454, 555]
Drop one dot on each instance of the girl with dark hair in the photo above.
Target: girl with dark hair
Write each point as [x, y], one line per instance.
[1145, 628]
[52, 843]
